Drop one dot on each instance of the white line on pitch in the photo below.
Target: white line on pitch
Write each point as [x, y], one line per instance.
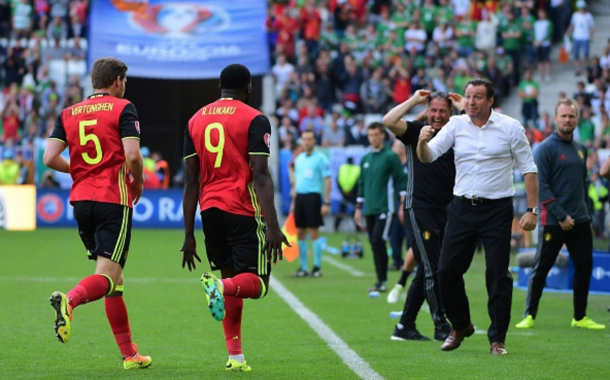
[349, 356]
[348, 268]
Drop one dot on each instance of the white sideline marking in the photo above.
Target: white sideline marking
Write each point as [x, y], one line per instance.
[349, 356]
[349, 269]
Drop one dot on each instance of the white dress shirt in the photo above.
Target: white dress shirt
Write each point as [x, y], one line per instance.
[485, 157]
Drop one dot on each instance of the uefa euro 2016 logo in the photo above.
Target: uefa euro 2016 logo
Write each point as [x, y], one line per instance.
[174, 19]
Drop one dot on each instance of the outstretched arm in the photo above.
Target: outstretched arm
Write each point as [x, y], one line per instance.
[393, 119]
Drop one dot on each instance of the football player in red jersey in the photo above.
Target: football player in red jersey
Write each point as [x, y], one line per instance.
[226, 147]
[102, 134]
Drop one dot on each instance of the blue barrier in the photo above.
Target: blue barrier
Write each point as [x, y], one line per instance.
[561, 277]
[156, 209]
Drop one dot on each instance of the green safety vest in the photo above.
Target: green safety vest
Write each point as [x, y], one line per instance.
[348, 176]
[595, 196]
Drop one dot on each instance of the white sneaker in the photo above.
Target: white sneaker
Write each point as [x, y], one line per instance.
[395, 293]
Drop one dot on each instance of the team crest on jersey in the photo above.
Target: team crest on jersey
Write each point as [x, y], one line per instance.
[547, 237]
[267, 139]
[137, 125]
[426, 235]
[581, 155]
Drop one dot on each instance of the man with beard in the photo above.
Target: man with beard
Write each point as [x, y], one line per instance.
[565, 216]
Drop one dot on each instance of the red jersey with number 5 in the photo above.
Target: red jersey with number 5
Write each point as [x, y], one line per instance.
[93, 130]
[223, 135]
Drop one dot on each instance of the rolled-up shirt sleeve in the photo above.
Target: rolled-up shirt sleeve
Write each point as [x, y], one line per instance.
[521, 150]
[444, 140]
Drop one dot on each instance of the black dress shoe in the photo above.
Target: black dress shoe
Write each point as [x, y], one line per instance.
[456, 337]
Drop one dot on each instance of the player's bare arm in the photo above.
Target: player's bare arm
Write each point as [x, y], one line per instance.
[263, 186]
[393, 120]
[424, 153]
[52, 156]
[528, 220]
[135, 164]
[190, 198]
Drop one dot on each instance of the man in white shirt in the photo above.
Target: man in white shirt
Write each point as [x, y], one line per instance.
[581, 28]
[486, 145]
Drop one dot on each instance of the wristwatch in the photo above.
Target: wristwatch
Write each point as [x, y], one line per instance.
[533, 210]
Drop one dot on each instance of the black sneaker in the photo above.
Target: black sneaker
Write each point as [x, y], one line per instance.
[377, 287]
[316, 272]
[301, 273]
[407, 334]
[442, 331]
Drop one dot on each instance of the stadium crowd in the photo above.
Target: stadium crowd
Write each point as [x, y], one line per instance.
[335, 63]
[43, 50]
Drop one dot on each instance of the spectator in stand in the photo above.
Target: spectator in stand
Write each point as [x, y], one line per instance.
[543, 34]
[333, 136]
[465, 31]
[287, 131]
[59, 8]
[351, 81]
[76, 51]
[22, 13]
[586, 128]
[373, 93]
[312, 122]
[400, 82]
[281, 71]
[10, 121]
[594, 69]
[486, 34]
[415, 38]
[512, 36]
[443, 37]
[505, 65]
[57, 29]
[528, 93]
[311, 26]
[581, 30]
[161, 169]
[526, 22]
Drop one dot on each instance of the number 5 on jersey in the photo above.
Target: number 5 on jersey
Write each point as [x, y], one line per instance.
[85, 138]
[219, 147]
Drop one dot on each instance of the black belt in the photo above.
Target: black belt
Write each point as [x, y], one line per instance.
[481, 201]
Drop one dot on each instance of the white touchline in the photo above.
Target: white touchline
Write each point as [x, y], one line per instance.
[349, 356]
[349, 269]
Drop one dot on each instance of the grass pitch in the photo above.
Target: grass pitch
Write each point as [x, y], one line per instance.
[170, 322]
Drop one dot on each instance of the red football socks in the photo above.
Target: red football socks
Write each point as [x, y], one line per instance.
[116, 312]
[89, 289]
[232, 324]
[244, 285]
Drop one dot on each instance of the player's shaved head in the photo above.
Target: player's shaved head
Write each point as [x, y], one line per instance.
[235, 77]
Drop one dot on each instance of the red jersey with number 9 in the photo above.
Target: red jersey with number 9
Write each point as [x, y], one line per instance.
[93, 130]
[224, 135]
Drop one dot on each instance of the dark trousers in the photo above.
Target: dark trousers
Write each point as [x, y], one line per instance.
[515, 56]
[490, 221]
[378, 228]
[426, 229]
[398, 235]
[580, 246]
